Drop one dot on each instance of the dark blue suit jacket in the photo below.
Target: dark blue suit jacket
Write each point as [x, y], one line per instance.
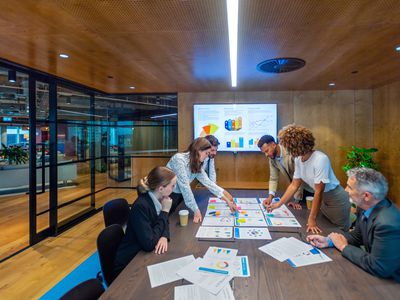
[382, 255]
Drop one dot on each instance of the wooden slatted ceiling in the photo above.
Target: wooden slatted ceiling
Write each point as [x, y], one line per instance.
[177, 46]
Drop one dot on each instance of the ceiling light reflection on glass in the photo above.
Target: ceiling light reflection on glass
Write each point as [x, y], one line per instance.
[233, 15]
[63, 55]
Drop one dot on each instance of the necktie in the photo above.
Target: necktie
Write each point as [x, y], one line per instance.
[364, 231]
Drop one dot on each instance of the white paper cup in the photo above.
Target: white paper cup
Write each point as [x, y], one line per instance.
[309, 200]
[183, 217]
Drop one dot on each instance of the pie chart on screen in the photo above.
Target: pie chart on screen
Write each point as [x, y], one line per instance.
[210, 128]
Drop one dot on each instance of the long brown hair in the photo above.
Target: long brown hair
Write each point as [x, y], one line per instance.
[159, 176]
[199, 144]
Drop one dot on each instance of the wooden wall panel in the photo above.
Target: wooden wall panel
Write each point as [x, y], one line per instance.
[386, 134]
[337, 118]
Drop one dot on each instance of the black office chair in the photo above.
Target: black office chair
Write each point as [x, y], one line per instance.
[88, 290]
[107, 246]
[116, 212]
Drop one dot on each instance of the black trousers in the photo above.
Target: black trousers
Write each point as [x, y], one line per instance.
[177, 199]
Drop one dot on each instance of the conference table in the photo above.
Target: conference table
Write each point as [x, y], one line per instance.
[270, 279]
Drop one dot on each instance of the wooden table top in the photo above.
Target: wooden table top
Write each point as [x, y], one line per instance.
[270, 279]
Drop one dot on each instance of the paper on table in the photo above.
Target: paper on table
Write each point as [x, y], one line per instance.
[281, 212]
[250, 222]
[165, 272]
[217, 206]
[246, 200]
[219, 252]
[251, 233]
[248, 206]
[214, 232]
[219, 213]
[193, 292]
[311, 257]
[217, 221]
[211, 282]
[248, 213]
[285, 248]
[216, 200]
[283, 222]
[241, 267]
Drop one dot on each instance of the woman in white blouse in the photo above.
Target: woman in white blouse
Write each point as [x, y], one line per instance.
[187, 166]
[314, 168]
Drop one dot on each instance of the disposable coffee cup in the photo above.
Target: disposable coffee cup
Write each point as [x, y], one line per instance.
[184, 217]
[309, 200]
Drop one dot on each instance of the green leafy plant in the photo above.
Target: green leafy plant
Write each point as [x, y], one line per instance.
[359, 157]
[14, 154]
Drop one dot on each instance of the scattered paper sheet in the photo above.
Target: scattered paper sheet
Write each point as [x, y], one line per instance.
[311, 257]
[250, 222]
[219, 213]
[281, 212]
[251, 233]
[248, 213]
[248, 206]
[211, 282]
[216, 200]
[283, 222]
[285, 248]
[241, 266]
[218, 221]
[217, 206]
[246, 200]
[193, 292]
[219, 252]
[165, 272]
[214, 232]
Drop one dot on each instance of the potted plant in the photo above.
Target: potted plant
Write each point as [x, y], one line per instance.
[360, 157]
[13, 154]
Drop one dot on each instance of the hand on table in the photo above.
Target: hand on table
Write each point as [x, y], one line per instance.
[338, 240]
[197, 216]
[232, 206]
[162, 246]
[273, 206]
[295, 205]
[318, 241]
[312, 226]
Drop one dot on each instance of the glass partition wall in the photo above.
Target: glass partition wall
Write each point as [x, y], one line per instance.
[78, 149]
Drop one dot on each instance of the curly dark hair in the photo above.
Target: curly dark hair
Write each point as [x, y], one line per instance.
[199, 144]
[298, 140]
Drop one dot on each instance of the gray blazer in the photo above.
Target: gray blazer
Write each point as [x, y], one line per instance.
[382, 255]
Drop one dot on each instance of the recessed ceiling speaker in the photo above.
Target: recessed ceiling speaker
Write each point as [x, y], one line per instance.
[281, 65]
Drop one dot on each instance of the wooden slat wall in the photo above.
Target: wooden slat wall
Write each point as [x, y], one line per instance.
[386, 108]
[337, 118]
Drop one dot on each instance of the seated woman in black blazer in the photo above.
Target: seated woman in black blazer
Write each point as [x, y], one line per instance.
[147, 227]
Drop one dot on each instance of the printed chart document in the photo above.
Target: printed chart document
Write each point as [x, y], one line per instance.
[281, 212]
[165, 272]
[193, 292]
[218, 213]
[214, 232]
[212, 282]
[219, 252]
[311, 257]
[252, 233]
[248, 206]
[246, 200]
[216, 200]
[250, 222]
[282, 222]
[247, 213]
[285, 248]
[218, 221]
[241, 267]
[217, 206]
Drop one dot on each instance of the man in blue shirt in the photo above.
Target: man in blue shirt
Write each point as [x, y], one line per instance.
[377, 228]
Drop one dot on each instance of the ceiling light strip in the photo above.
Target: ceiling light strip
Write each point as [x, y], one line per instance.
[233, 15]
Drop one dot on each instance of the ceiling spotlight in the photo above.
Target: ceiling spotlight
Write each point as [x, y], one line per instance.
[63, 55]
[12, 76]
[132, 87]
[398, 48]
[331, 84]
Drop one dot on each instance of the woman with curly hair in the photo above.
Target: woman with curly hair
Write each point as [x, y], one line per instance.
[314, 168]
[188, 166]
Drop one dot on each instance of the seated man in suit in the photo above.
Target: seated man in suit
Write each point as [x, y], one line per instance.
[377, 228]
